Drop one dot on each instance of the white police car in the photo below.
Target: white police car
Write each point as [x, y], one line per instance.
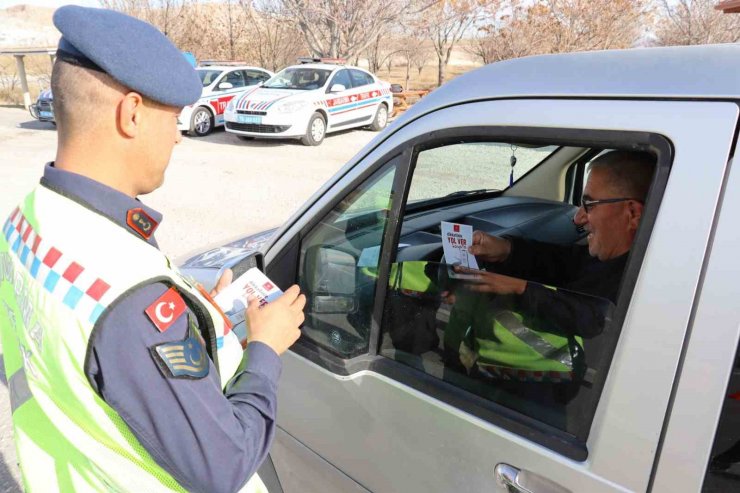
[306, 101]
[220, 84]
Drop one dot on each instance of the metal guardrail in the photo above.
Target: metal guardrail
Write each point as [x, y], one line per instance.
[19, 54]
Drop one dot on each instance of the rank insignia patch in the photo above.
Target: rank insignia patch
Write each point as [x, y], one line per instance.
[141, 222]
[182, 359]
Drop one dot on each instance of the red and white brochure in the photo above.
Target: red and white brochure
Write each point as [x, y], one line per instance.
[456, 238]
[251, 283]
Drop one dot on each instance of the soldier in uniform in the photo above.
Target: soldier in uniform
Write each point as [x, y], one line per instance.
[122, 375]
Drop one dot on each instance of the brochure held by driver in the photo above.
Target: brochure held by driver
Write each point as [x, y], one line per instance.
[456, 238]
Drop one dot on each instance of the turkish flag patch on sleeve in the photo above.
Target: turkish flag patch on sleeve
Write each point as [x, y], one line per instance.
[166, 309]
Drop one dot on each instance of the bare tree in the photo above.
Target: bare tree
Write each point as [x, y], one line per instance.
[520, 27]
[692, 22]
[577, 25]
[276, 42]
[345, 28]
[172, 17]
[446, 23]
[416, 51]
[381, 52]
[234, 21]
[504, 33]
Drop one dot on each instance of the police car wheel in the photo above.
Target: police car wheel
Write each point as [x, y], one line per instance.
[381, 119]
[201, 122]
[315, 132]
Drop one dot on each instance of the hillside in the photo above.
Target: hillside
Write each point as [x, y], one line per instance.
[24, 26]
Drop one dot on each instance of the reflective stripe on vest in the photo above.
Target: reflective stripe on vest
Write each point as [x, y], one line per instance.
[517, 352]
[56, 281]
[534, 340]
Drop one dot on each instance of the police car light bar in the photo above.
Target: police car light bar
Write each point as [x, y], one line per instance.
[335, 61]
[208, 63]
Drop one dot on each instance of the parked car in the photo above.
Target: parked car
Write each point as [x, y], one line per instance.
[43, 108]
[221, 83]
[657, 408]
[309, 100]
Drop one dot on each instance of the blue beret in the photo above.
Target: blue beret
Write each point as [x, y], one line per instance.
[131, 51]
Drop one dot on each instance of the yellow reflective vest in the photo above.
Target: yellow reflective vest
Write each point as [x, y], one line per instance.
[54, 288]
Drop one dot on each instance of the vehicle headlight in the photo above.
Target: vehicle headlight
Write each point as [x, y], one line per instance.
[231, 105]
[291, 106]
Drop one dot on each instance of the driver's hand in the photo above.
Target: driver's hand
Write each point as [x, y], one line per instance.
[490, 282]
[489, 248]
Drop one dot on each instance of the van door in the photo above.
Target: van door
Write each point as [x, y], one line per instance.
[701, 436]
[369, 400]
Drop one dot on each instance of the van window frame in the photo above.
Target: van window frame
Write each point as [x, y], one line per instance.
[570, 445]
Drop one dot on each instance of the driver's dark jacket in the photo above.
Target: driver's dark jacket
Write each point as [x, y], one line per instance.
[207, 439]
[579, 306]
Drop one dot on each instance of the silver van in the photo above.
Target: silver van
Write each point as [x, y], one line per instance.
[367, 401]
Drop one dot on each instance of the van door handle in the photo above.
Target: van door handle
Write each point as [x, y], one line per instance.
[512, 480]
[508, 477]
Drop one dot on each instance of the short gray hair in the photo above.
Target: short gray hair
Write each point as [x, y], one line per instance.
[630, 172]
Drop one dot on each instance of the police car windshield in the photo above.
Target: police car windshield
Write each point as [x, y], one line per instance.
[207, 76]
[302, 78]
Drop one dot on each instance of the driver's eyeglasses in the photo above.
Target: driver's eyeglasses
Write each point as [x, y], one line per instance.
[589, 204]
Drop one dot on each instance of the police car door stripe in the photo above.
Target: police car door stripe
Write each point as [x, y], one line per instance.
[243, 100]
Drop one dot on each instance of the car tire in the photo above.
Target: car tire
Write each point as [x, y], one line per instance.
[201, 122]
[316, 130]
[381, 119]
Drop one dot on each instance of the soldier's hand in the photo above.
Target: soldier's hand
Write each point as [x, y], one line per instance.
[276, 324]
[489, 248]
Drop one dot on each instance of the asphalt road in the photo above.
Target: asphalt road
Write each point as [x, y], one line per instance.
[216, 188]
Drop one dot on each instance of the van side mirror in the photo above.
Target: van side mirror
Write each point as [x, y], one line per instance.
[240, 265]
[330, 280]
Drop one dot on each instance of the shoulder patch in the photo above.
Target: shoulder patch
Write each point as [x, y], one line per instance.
[141, 222]
[182, 359]
[166, 309]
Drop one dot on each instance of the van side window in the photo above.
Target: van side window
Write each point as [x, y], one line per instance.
[534, 329]
[339, 261]
[723, 471]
